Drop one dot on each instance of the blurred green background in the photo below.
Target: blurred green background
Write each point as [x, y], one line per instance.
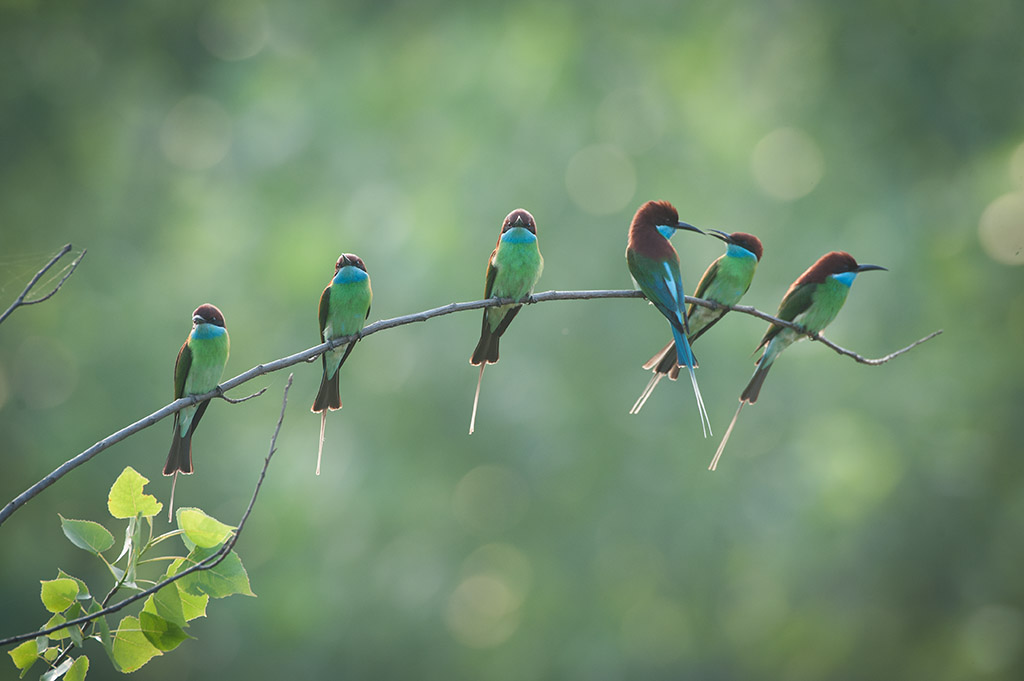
[864, 522]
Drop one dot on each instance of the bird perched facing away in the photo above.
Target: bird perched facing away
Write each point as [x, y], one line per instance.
[512, 271]
[197, 370]
[654, 264]
[725, 281]
[344, 308]
[813, 301]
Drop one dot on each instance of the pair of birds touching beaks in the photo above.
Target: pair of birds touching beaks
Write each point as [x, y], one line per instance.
[513, 270]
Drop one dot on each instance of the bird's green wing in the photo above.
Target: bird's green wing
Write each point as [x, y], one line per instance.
[181, 369]
[661, 284]
[709, 276]
[796, 302]
[325, 300]
[492, 272]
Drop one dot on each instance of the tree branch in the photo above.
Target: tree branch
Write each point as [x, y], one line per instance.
[20, 300]
[315, 351]
[209, 562]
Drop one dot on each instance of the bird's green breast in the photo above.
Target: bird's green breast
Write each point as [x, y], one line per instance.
[826, 301]
[731, 280]
[517, 264]
[349, 303]
[210, 348]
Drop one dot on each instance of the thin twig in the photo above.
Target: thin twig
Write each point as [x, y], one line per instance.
[20, 300]
[311, 353]
[239, 400]
[207, 563]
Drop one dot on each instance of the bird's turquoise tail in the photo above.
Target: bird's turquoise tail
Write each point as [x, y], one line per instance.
[684, 355]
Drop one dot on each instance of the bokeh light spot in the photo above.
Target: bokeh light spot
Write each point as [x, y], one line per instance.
[196, 133]
[787, 164]
[233, 29]
[600, 179]
[506, 563]
[490, 499]
[1001, 229]
[482, 612]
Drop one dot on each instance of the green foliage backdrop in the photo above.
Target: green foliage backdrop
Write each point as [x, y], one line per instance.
[864, 523]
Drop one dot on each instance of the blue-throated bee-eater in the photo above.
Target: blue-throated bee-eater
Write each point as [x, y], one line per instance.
[725, 281]
[812, 302]
[512, 271]
[197, 370]
[654, 264]
[344, 308]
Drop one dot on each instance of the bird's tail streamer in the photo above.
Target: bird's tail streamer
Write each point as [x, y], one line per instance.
[705, 422]
[170, 505]
[642, 400]
[320, 451]
[476, 398]
[725, 438]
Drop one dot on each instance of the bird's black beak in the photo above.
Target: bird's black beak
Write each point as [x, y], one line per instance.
[719, 234]
[198, 320]
[687, 226]
[865, 268]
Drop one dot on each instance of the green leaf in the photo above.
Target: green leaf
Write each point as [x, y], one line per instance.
[85, 534]
[56, 621]
[131, 647]
[75, 631]
[126, 499]
[203, 530]
[107, 640]
[225, 579]
[58, 594]
[24, 656]
[56, 672]
[83, 590]
[51, 654]
[162, 634]
[192, 606]
[78, 669]
[167, 603]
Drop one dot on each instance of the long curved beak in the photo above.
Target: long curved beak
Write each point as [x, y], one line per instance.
[719, 234]
[865, 268]
[686, 226]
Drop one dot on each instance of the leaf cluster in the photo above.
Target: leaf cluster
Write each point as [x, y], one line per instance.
[160, 626]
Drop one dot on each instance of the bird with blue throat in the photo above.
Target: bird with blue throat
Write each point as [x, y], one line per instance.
[197, 371]
[724, 282]
[654, 264]
[344, 308]
[513, 270]
[812, 302]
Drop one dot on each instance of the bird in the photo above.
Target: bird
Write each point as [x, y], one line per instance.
[197, 370]
[812, 302]
[513, 270]
[725, 281]
[344, 308]
[654, 264]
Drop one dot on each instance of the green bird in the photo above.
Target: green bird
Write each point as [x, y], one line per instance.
[512, 271]
[812, 302]
[725, 281]
[344, 308]
[197, 370]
